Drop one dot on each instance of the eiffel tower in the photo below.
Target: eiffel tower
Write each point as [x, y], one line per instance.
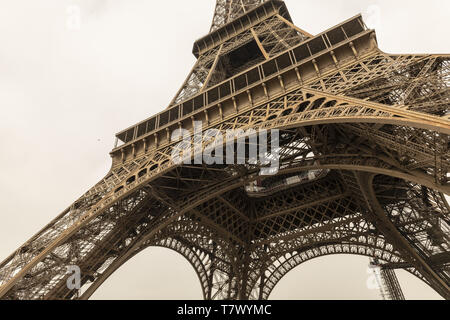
[363, 167]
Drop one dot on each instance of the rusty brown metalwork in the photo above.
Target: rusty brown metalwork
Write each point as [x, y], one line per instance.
[364, 137]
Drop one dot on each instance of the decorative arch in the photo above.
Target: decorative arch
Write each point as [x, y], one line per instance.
[295, 262]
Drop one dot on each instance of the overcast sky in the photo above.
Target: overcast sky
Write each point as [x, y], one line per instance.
[65, 91]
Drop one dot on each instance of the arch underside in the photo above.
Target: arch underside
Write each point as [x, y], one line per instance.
[309, 219]
[383, 150]
[227, 11]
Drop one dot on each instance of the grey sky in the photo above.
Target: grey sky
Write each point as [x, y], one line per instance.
[64, 93]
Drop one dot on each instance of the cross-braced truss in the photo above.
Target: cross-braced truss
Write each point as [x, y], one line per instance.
[228, 10]
[364, 165]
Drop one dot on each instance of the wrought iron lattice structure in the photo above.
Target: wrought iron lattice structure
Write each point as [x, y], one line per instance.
[364, 159]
